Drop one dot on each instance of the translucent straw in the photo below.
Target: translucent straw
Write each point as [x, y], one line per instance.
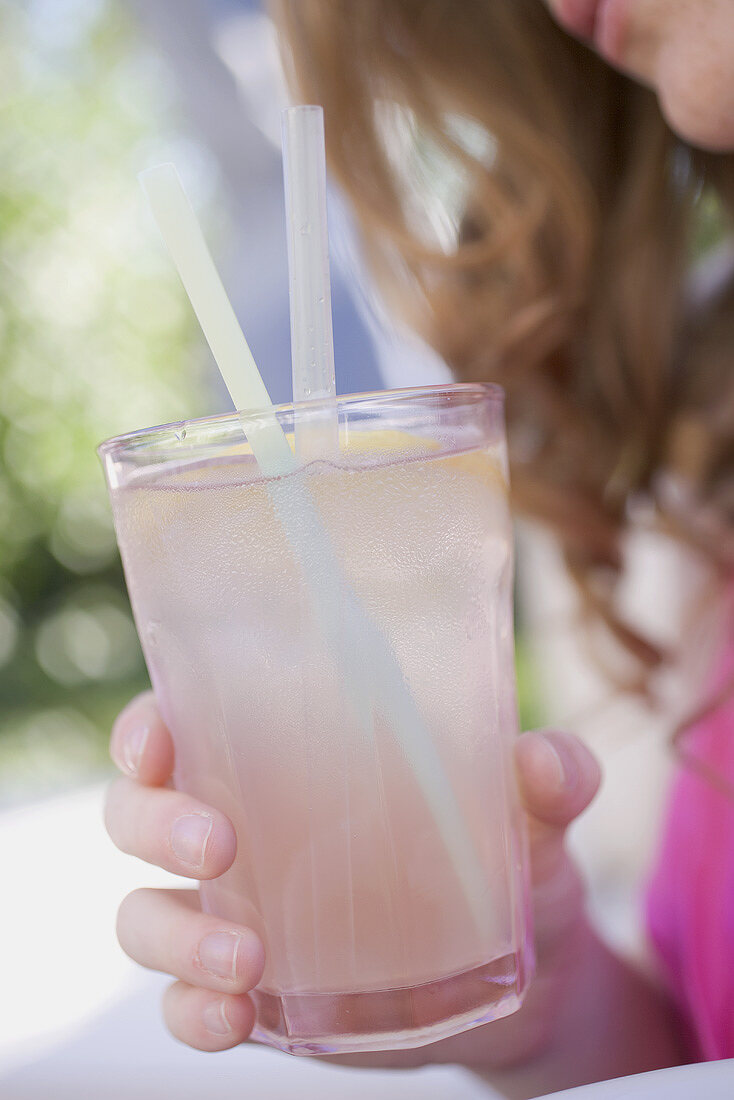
[369, 670]
[184, 239]
[312, 340]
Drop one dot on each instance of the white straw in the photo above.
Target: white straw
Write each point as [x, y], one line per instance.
[312, 339]
[184, 239]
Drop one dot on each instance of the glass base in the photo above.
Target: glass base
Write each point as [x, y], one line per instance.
[389, 1019]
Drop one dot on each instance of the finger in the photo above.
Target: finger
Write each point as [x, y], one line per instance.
[170, 829]
[161, 930]
[558, 776]
[141, 745]
[205, 1020]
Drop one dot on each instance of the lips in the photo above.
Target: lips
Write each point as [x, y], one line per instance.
[598, 21]
[578, 16]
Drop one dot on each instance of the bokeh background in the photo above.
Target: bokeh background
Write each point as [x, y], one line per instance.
[94, 338]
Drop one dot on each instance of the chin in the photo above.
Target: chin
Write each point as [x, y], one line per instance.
[694, 79]
[712, 139]
[701, 120]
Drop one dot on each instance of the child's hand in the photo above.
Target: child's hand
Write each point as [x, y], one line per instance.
[217, 963]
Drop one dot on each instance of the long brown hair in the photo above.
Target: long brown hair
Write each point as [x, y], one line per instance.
[562, 270]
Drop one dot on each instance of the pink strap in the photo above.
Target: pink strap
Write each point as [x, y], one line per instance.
[690, 904]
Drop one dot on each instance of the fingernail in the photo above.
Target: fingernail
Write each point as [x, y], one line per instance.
[189, 836]
[550, 764]
[564, 765]
[215, 1018]
[133, 747]
[218, 954]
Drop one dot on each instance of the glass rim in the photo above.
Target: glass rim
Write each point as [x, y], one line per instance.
[118, 444]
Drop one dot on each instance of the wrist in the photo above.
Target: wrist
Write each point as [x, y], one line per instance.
[597, 1018]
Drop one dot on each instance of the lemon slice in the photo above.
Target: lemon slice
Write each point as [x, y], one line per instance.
[483, 465]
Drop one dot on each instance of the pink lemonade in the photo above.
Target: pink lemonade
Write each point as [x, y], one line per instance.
[341, 866]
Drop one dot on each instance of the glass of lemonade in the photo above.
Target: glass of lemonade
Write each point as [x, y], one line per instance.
[345, 865]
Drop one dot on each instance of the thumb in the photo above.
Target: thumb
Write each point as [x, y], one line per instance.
[558, 776]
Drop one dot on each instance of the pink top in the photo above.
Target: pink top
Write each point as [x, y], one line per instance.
[691, 899]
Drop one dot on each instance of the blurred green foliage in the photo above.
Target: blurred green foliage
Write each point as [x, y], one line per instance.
[95, 338]
[529, 703]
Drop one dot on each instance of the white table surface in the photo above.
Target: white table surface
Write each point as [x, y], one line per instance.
[709, 1081]
[78, 1018]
